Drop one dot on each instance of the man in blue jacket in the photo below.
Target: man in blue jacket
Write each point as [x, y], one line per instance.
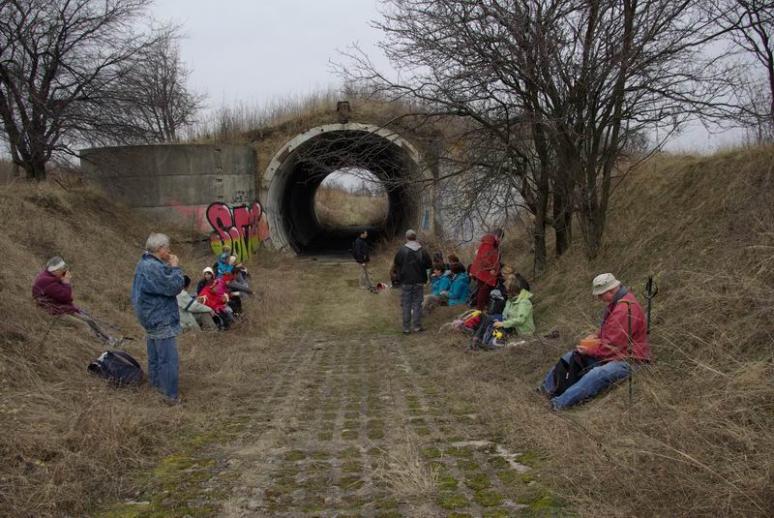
[157, 281]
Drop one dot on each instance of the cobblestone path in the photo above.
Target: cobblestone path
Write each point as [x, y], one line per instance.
[354, 428]
[349, 422]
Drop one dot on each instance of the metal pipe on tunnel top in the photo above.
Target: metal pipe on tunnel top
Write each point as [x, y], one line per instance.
[289, 183]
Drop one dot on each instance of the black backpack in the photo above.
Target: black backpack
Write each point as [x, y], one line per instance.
[118, 368]
[566, 374]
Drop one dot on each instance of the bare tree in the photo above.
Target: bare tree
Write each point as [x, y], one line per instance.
[559, 86]
[60, 61]
[152, 102]
[750, 26]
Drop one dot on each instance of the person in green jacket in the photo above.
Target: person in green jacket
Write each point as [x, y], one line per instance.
[517, 315]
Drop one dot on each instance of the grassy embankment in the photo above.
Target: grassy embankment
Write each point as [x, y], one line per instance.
[69, 442]
[696, 440]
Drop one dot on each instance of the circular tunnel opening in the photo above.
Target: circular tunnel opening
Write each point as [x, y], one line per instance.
[351, 200]
[297, 176]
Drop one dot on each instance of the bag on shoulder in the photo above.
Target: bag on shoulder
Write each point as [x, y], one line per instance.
[566, 374]
[118, 368]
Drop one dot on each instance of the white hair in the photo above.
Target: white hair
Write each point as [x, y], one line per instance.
[156, 241]
[55, 263]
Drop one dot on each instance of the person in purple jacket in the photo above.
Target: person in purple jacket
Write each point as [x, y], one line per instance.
[53, 291]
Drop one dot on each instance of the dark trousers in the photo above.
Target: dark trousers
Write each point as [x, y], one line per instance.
[411, 302]
[482, 295]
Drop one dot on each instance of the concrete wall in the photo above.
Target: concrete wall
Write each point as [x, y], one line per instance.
[174, 183]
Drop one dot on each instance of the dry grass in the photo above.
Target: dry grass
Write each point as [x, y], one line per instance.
[697, 439]
[339, 208]
[68, 440]
[406, 473]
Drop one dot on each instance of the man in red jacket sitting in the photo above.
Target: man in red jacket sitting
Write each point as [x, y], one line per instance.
[53, 292]
[605, 355]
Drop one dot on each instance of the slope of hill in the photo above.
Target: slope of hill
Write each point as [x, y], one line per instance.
[68, 440]
[697, 438]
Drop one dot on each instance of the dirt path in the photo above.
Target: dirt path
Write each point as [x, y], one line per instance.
[349, 423]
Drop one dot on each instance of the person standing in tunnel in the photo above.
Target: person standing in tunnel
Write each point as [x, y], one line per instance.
[360, 253]
[411, 264]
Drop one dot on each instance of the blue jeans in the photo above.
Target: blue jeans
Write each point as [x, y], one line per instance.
[411, 302]
[599, 377]
[163, 365]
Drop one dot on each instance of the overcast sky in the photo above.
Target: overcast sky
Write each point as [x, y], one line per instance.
[259, 51]
[256, 51]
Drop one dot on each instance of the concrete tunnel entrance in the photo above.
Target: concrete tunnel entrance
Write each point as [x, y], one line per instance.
[297, 170]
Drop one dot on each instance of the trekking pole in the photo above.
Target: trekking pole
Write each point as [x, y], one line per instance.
[651, 290]
[629, 346]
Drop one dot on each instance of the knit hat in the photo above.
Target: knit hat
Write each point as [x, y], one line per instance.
[604, 282]
[208, 270]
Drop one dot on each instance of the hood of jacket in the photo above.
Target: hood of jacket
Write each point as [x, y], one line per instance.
[489, 239]
[524, 295]
[413, 245]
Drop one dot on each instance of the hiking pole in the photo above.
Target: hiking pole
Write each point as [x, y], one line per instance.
[651, 290]
[629, 346]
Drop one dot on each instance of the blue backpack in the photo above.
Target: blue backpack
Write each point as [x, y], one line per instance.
[118, 368]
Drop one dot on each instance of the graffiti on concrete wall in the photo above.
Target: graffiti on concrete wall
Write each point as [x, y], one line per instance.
[243, 228]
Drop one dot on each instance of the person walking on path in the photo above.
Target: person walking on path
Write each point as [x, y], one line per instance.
[361, 255]
[411, 264]
[53, 291]
[157, 281]
[486, 267]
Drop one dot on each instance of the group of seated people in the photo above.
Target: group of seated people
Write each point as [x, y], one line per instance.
[217, 302]
[600, 360]
[508, 310]
[449, 283]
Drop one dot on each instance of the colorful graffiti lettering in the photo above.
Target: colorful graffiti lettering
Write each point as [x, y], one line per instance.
[243, 228]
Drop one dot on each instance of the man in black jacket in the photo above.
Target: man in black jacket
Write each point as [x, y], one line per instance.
[411, 264]
[360, 253]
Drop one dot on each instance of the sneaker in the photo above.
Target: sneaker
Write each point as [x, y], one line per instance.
[419, 329]
[406, 331]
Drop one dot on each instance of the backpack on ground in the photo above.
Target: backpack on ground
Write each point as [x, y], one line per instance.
[118, 368]
[566, 374]
[468, 321]
[496, 303]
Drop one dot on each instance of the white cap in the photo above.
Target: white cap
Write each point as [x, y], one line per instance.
[604, 282]
[208, 269]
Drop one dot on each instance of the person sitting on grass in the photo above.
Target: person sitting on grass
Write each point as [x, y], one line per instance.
[53, 291]
[214, 294]
[225, 267]
[193, 314]
[460, 284]
[454, 259]
[517, 317]
[440, 282]
[602, 358]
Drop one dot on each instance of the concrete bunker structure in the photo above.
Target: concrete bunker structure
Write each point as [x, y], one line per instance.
[296, 171]
[179, 184]
[174, 183]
